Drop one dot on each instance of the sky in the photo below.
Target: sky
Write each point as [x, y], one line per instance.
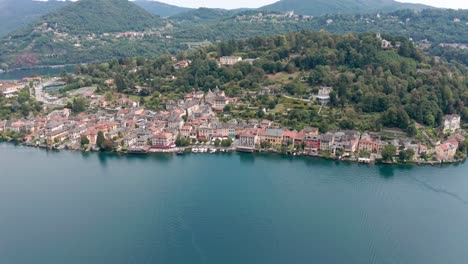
[232, 4]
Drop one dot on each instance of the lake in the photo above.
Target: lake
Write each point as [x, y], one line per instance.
[71, 207]
[23, 73]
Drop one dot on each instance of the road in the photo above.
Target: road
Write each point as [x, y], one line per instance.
[39, 91]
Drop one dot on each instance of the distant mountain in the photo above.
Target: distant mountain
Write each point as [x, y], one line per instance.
[321, 7]
[84, 31]
[203, 15]
[15, 14]
[100, 16]
[161, 9]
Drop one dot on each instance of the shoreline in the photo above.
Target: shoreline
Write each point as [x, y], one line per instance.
[189, 150]
[40, 67]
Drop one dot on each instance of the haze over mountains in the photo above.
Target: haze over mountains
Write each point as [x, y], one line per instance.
[320, 7]
[101, 16]
[17, 13]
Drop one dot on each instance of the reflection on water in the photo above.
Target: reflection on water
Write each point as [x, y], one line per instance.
[386, 171]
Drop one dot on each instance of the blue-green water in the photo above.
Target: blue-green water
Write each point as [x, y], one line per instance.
[23, 73]
[69, 207]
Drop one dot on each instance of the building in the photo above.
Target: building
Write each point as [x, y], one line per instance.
[229, 60]
[446, 151]
[368, 145]
[247, 141]
[182, 64]
[346, 141]
[185, 131]
[326, 142]
[451, 123]
[175, 122]
[311, 131]
[221, 102]
[91, 135]
[163, 141]
[312, 144]
[289, 137]
[324, 94]
[273, 136]
[10, 90]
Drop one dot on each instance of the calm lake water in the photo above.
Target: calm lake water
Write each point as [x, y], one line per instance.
[69, 207]
[23, 73]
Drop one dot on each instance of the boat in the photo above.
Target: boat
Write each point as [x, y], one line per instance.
[213, 151]
[195, 150]
[180, 152]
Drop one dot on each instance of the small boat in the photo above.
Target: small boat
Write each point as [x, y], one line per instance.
[213, 151]
[195, 150]
[180, 152]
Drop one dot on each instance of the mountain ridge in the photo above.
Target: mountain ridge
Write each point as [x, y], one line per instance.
[100, 16]
[321, 7]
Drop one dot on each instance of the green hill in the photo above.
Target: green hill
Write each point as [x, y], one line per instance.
[373, 86]
[86, 31]
[161, 9]
[101, 16]
[320, 7]
[15, 14]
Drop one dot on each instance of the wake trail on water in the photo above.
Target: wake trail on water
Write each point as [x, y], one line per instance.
[197, 248]
[439, 190]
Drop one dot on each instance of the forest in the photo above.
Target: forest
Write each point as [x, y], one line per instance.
[372, 87]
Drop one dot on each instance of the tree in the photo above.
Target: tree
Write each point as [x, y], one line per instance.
[217, 142]
[388, 152]
[182, 142]
[79, 105]
[406, 155]
[84, 141]
[100, 139]
[109, 96]
[411, 130]
[228, 108]
[120, 83]
[260, 113]
[226, 143]
[107, 145]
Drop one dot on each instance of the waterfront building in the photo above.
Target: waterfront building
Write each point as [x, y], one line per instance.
[163, 141]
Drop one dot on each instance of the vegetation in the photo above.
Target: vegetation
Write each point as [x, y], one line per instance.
[78, 105]
[82, 32]
[22, 106]
[58, 39]
[100, 16]
[406, 155]
[84, 141]
[388, 152]
[372, 87]
[15, 14]
[161, 9]
[320, 7]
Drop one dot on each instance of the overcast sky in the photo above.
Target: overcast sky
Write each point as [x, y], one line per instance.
[231, 4]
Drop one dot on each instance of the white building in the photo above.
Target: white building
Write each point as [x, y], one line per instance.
[229, 60]
[451, 123]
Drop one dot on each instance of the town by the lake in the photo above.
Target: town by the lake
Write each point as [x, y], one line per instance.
[193, 124]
